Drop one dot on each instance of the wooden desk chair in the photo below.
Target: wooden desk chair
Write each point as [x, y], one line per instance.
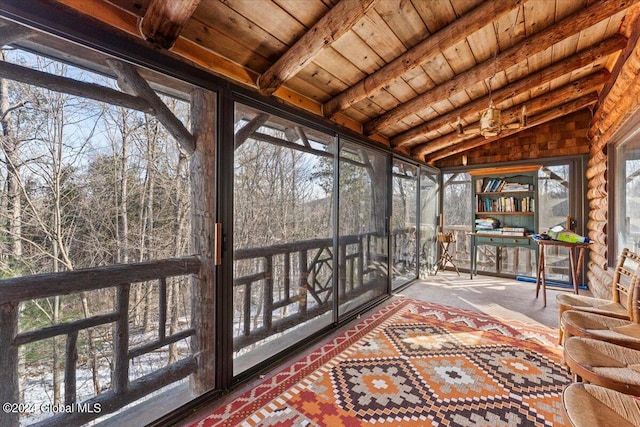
[445, 240]
[620, 304]
[604, 364]
[588, 405]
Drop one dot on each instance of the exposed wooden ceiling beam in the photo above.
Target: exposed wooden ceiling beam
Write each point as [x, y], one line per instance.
[329, 28]
[131, 82]
[573, 24]
[421, 53]
[530, 82]
[547, 116]
[164, 20]
[573, 90]
[632, 23]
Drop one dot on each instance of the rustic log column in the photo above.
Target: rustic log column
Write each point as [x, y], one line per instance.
[203, 224]
[9, 392]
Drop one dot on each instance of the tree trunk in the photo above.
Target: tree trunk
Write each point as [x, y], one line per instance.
[10, 147]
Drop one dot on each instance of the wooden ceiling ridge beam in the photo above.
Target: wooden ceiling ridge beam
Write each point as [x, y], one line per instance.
[423, 52]
[581, 59]
[573, 90]
[164, 20]
[131, 82]
[538, 42]
[544, 117]
[333, 25]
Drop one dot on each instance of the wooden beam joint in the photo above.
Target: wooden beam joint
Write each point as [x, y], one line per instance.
[130, 81]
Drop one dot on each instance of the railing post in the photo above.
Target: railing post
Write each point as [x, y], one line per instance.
[10, 389]
[70, 368]
[304, 282]
[121, 341]
[203, 240]
[342, 271]
[268, 293]
[361, 263]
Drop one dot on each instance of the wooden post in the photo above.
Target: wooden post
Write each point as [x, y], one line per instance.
[121, 341]
[268, 293]
[304, 282]
[9, 392]
[203, 223]
[71, 361]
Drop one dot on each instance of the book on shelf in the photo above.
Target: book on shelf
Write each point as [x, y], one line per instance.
[516, 186]
[514, 233]
[488, 231]
[497, 185]
[505, 231]
[505, 204]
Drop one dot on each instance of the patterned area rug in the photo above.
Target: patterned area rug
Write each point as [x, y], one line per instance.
[414, 363]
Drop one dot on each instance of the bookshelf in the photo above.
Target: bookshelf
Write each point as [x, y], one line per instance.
[504, 209]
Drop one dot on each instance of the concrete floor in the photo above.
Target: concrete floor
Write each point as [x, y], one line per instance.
[506, 298]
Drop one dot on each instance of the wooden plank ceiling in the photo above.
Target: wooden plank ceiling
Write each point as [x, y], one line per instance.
[415, 74]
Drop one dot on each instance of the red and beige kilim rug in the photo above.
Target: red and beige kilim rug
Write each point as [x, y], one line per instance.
[414, 363]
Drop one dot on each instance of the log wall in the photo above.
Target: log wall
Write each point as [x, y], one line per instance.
[621, 102]
[560, 137]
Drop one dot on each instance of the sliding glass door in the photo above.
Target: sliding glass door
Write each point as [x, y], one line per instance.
[429, 205]
[283, 249]
[363, 235]
[404, 254]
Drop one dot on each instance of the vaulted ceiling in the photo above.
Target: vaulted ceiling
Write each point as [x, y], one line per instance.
[413, 74]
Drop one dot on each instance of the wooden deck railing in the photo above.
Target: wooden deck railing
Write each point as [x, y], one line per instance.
[296, 280]
[122, 390]
[301, 282]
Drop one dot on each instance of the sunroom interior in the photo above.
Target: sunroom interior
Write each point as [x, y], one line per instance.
[193, 191]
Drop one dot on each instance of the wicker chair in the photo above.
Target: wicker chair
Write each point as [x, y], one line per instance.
[604, 364]
[588, 405]
[589, 325]
[621, 305]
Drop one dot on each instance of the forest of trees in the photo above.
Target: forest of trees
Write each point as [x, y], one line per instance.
[86, 184]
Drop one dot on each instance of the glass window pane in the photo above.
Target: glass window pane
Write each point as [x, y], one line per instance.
[363, 240]
[456, 212]
[404, 217]
[554, 202]
[627, 191]
[429, 189]
[283, 234]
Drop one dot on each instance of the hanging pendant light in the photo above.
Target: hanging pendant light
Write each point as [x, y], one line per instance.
[491, 121]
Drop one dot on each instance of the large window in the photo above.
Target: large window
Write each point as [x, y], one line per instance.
[363, 235]
[88, 184]
[555, 203]
[283, 272]
[429, 204]
[404, 255]
[456, 214]
[627, 194]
